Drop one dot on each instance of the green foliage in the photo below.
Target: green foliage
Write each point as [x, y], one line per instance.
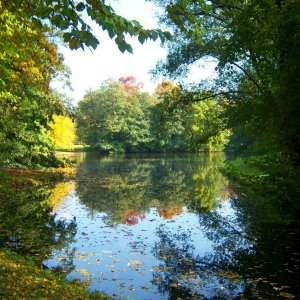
[256, 47]
[209, 132]
[118, 118]
[186, 126]
[113, 119]
[67, 16]
[28, 62]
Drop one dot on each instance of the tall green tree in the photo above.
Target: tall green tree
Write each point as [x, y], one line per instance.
[255, 44]
[28, 63]
[113, 119]
[185, 124]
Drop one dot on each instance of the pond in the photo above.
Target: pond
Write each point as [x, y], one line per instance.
[160, 226]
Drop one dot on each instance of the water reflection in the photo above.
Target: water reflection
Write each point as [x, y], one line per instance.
[28, 226]
[126, 188]
[158, 227]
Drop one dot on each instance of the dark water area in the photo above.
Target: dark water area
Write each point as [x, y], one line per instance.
[158, 227]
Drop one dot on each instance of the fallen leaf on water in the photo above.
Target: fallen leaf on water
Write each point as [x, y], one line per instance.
[135, 263]
[84, 272]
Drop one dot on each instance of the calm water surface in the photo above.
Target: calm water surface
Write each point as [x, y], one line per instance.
[170, 227]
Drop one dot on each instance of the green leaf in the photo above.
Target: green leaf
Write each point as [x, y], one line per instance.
[80, 6]
[67, 36]
[129, 49]
[154, 35]
[63, 24]
[142, 38]
[93, 42]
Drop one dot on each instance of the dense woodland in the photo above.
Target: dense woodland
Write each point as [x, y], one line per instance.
[252, 107]
[120, 118]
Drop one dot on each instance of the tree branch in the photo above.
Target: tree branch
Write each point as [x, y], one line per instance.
[205, 97]
[249, 76]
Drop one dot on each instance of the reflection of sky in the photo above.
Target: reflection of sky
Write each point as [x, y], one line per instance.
[228, 216]
[122, 260]
[109, 254]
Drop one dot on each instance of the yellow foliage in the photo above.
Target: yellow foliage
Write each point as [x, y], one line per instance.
[62, 132]
[167, 87]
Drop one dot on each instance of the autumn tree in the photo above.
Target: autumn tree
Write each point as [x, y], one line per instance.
[62, 132]
[130, 84]
[28, 63]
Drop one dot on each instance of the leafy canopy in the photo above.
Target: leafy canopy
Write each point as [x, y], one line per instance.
[73, 19]
[256, 47]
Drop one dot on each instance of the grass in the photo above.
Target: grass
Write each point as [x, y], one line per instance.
[20, 278]
[75, 148]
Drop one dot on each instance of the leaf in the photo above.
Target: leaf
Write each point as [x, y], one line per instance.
[142, 38]
[135, 263]
[80, 7]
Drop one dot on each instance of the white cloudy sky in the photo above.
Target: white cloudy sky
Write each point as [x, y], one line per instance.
[90, 68]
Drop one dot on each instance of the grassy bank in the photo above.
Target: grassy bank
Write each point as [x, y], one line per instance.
[20, 278]
[273, 181]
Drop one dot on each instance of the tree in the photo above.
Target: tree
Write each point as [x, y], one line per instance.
[255, 46]
[62, 132]
[209, 127]
[183, 124]
[130, 84]
[67, 16]
[28, 63]
[114, 120]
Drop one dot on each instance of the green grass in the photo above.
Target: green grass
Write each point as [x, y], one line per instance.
[20, 278]
[75, 148]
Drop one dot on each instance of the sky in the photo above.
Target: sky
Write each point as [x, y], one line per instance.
[89, 68]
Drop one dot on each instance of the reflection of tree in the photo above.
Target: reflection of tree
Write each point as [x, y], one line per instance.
[59, 192]
[169, 213]
[209, 184]
[122, 186]
[28, 226]
[255, 254]
[115, 188]
[184, 274]
[133, 217]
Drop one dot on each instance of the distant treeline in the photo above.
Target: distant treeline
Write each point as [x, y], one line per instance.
[118, 117]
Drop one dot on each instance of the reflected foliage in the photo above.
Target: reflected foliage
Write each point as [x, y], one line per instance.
[27, 225]
[126, 187]
[255, 255]
[184, 274]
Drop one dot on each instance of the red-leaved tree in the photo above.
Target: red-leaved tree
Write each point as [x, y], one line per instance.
[130, 84]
